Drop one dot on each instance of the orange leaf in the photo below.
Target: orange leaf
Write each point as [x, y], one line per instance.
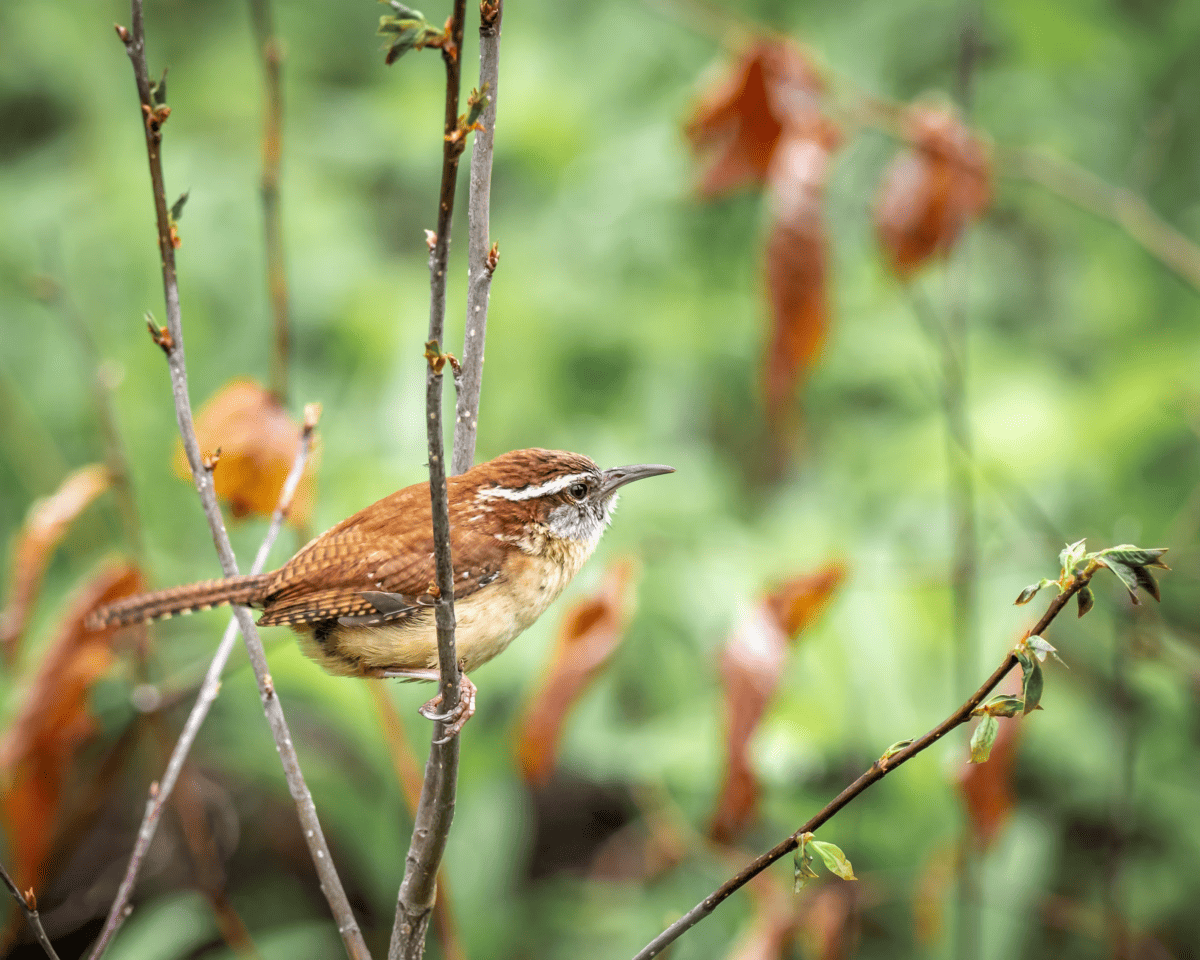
[590, 634]
[750, 665]
[45, 526]
[53, 722]
[738, 123]
[987, 788]
[257, 443]
[931, 190]
[796, 258]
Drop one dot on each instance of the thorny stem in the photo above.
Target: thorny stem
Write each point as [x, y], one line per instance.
[481, 256]
[431, 825]
[153, 118]
[161, 791]
[271, 49]
[31, 914]
[878, 770]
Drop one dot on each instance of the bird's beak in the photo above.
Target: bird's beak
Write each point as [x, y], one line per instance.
[619, 476]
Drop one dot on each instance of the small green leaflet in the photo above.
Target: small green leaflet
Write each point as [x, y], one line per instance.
[1032, 686]
[1085, 599]
[894, 749]
[802, 870]
[835, 860]
[1071, 554]
[1040, 648]
[983, 738]
[1001, 706]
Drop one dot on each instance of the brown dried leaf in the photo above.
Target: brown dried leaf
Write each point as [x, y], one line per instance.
[931, 190]
[750, 665]
[739, 122]
[257, 443]
[45, 525]
[987, 788]
[590, 634]
[53, 722]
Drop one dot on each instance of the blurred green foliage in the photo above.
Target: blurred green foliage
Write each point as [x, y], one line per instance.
[627, 322]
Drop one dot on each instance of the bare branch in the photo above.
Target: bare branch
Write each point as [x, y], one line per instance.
[154, 115]
[879, 769]
[431, 825]
[1124, 208]
[160, 792]
[29, 908]
[271, 48]
[482, 255]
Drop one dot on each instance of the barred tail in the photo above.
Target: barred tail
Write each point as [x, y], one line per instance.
[162, 604]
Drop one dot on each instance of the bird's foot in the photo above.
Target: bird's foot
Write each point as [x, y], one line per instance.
[456, 718]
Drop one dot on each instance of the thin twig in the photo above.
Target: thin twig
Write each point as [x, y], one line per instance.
[171, 340]
[271, 48]
[408, 775]
[29, 908]
[160, 792]
[481, 255]
[431, 825]
[878, 770]
[1122, 207]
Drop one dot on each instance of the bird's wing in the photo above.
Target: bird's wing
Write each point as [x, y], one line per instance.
[366, 578]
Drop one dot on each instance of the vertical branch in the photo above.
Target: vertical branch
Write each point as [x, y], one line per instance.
[160, 792]
[961, 457]
[431, 826]
[482, 255]
[28, 906]
[271, 49]
[170, 338]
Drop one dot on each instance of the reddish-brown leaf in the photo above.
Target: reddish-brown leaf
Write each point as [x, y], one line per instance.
[987, 788]
[796, 256]
[931, 190]
[738, 124]
[256, 441]
[45, 526]
[589, 636]
[53, 722]
[750, 666]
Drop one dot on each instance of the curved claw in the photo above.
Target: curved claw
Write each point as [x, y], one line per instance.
[456, 718]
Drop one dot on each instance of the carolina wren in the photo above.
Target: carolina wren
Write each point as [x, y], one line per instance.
[360, 595]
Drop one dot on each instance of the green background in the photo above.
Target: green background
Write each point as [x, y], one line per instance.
[627, 321]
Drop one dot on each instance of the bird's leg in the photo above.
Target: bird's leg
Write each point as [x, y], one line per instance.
[457, 717]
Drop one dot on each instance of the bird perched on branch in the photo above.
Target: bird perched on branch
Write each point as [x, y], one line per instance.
[361, 595]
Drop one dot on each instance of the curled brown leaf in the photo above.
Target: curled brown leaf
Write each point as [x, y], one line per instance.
[45, 525]
[256, 440]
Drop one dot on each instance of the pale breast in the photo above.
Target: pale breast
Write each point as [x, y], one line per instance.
[487, 621]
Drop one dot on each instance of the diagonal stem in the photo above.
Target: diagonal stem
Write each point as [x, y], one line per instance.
[29, 908]
[171, 341]
[878, 770]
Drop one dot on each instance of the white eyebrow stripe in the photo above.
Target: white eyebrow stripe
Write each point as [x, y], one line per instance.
[528, 493]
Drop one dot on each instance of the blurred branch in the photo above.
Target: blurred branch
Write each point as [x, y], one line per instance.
[482, 256]
[435, 811]
[102, 383]
[29, 907]
[161, 791]
[271, 48]
[879, 769]
[1124, 208]
[170, 339]
[408, 775]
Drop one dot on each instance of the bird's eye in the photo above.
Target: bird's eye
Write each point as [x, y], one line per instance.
[578, 491]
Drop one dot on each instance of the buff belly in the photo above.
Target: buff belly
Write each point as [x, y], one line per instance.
[487, 621]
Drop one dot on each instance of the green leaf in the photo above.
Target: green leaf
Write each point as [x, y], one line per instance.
[1028, 593]
[1041, 647]
[1145, 580]
[983, 738]
[1071, 554]
[1031, 688]
[802, 870]
[177, 206]
[1085, 599]
[158, 90]
[1002, 706]
[1023, 657]
[834, 859]
[895, 748]
[1125, 574]
[1132, 556]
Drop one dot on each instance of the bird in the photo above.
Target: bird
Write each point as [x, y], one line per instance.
[361, 595]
